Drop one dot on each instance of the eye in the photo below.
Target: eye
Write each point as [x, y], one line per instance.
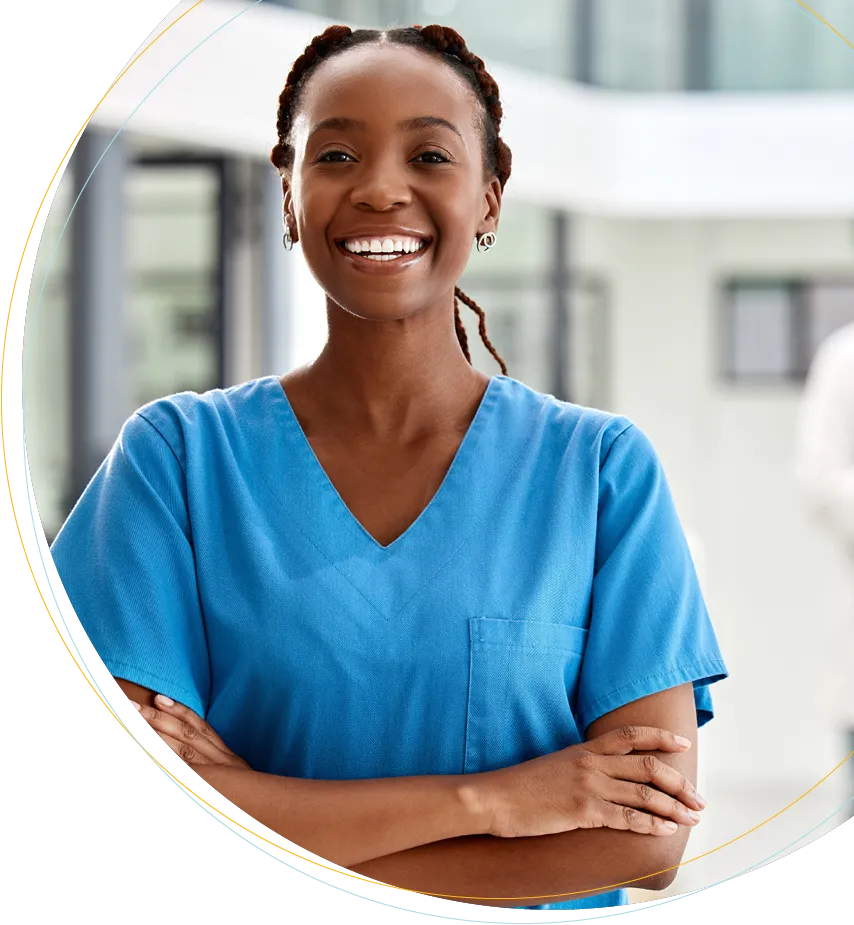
[442, 158]
[323, 157]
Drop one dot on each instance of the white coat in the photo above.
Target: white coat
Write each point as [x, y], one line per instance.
[825, 469]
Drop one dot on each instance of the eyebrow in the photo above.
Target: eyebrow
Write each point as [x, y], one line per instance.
[343, 122]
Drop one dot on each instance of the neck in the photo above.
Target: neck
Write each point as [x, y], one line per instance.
[394, 379]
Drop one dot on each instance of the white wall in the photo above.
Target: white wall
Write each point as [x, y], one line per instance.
[772, 580]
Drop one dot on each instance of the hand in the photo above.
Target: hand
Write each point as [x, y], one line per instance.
[187, 734]
[595, 784]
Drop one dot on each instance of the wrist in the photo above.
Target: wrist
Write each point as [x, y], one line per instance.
[477, 795]
[215, 774]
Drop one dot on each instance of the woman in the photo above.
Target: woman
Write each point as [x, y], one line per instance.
[432, 625]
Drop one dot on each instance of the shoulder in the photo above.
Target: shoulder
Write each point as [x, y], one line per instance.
[832, 365]
[186, 419]
[837, 348]
[840, 342]
[577, 429]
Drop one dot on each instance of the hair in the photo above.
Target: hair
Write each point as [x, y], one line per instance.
[446, 45]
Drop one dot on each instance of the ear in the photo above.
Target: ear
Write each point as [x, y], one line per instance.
[287, 210]
[492, 196]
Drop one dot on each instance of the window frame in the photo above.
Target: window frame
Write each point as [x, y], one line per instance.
[799, 287]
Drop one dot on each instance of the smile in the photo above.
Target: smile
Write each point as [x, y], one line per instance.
[380, 263]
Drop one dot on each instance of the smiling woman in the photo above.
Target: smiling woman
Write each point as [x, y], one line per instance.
[463, 149]
[433, 625]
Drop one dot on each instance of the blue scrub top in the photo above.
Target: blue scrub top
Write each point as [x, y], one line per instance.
[547, 582]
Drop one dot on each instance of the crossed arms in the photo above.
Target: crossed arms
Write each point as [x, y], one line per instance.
[429, 834]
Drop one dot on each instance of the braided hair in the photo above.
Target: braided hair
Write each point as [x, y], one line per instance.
[450, 47]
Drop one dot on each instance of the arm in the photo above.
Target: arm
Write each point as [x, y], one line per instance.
[555, 868]
[826, 436]
[347, 821]
[352, 822]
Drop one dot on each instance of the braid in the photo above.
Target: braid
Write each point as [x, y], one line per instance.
[450, 42]
[320, 46]
[462, 337]
[481, 327]
[432, 39]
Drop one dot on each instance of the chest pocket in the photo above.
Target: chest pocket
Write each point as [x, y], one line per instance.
[523, 677]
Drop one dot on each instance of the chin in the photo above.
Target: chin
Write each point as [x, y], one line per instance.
[378, 307]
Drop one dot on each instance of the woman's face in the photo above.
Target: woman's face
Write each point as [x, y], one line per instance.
[380, 174]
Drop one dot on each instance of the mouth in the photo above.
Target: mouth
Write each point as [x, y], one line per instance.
[384, 262]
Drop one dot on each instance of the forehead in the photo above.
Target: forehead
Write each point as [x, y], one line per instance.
[372, 81]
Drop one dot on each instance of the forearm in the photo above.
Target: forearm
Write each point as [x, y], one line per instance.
[352, 821]
[511, 872]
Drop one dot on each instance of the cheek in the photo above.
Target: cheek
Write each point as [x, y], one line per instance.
[453, 214]
[315, 210]
[456, 236]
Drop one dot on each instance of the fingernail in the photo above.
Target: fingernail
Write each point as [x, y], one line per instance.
[670, 826]
[166, 701]
[700, 800]
[694, 817]
[681, 740]
[136, 704]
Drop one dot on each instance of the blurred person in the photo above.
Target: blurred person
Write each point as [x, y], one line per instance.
[435, 626]
[825, 467]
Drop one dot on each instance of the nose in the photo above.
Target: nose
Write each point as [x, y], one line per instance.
[380, 185]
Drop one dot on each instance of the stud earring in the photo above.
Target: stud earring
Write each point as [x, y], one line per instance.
[486, 240]
[287, 240]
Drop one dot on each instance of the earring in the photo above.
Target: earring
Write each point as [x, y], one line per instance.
[287, 240]
[486, 240]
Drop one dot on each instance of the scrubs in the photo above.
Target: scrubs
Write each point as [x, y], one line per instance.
[547, 582]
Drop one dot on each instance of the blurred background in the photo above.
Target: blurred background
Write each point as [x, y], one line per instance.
[676, 240]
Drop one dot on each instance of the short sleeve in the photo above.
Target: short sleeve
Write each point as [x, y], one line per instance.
[649, 627]
[125, 558]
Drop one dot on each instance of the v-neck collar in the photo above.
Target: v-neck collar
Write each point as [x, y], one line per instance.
[310, 460]
[310, 501]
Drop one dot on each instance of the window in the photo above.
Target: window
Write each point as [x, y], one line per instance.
[638, 44]
[541, 40]
[771, 328]
[174, 287]
[769, 45]
[547, 320]
[47, 364]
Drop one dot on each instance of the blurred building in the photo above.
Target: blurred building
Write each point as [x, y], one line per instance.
[677, 237]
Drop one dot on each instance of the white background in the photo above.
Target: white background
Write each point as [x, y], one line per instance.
[93, 827]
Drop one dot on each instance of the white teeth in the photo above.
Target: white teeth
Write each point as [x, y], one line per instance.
[384, 246]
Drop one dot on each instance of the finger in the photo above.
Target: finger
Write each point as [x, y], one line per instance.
[184, 750]
[162, 722]
[632, 738]
[652, 801]
[223, 754]
[635, 820]
[186, 733]
[647, 769]
[185, 714]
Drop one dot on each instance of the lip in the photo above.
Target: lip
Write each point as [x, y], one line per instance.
[382, 267]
